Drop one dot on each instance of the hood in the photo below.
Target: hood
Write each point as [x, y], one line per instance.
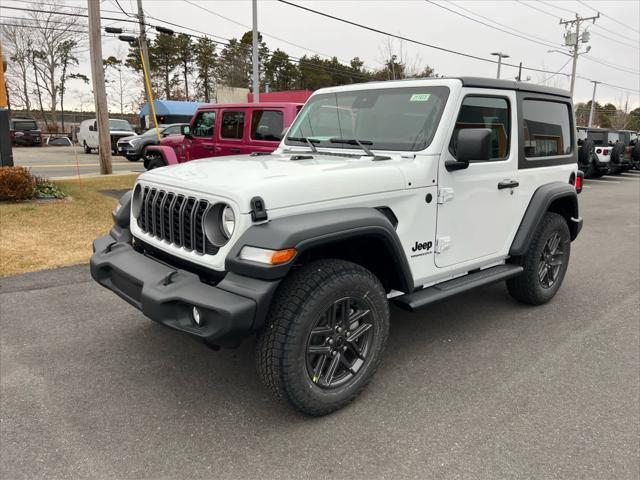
[123, 133]
[126, 139]
[280, 181]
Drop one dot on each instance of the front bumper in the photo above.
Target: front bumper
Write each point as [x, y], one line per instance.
[128, 150]
[230, 310]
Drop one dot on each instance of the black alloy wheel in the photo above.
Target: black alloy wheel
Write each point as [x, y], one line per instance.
[339, 343]
[551, 260]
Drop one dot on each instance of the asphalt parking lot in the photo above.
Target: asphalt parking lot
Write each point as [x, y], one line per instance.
[63, 162]
[478, 387]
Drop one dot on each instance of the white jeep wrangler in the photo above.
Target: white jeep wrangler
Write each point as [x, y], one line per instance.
[406, 192]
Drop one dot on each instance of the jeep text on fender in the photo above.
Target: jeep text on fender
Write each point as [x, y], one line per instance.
[408, 191]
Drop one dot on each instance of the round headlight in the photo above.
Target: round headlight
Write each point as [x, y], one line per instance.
[219, 223]
[136, 201]
[228, 221]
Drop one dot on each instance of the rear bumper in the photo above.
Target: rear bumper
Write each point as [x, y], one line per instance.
[230, 310]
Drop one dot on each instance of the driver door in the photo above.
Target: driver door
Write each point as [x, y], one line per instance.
[476, 211]
[202, 142]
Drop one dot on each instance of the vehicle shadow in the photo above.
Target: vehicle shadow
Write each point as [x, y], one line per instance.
[184, 372]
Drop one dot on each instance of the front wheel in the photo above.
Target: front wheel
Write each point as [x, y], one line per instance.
[153, 160]
[324, 337]
[87, 149]
[545, 263]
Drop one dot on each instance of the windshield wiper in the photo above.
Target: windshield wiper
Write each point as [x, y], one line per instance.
[360, 143]
[308, 141]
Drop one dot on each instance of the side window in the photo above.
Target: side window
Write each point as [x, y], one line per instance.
[485, 112]
[232, 125]
[267, 125]
[547, 128]
[173, 130]
[204, 124]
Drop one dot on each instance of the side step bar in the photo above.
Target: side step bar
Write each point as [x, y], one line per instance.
[427, 296]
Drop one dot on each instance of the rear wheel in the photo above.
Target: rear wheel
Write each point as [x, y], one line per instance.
[545, 263]
[324, 337]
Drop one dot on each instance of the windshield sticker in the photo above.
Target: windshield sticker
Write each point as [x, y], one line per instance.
[420, 97]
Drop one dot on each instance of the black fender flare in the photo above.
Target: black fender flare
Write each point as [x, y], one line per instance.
[540, 203]
[306, 231]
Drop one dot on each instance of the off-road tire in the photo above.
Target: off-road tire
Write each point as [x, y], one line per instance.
[592, 169]
[281, 350]
[87, 149]
[154, 161]
[585, 155]
[527, 287]
[617, 153]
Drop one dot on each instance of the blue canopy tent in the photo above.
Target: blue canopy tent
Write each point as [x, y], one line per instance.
[168, 111]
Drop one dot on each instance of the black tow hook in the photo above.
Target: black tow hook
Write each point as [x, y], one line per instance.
[169, 278]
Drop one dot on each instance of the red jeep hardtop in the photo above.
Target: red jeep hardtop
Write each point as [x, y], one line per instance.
[232, 129]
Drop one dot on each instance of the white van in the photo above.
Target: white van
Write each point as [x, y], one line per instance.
[88, 133]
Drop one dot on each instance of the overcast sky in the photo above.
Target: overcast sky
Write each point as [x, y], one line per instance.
[428, 23]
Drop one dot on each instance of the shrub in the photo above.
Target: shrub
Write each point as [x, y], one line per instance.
[46, 189]
[16, 183]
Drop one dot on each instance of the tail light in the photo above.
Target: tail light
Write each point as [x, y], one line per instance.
[579, 180]
[605, 151]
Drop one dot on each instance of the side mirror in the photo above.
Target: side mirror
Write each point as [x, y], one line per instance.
[474, 144]
[185, 130]
[91, 129]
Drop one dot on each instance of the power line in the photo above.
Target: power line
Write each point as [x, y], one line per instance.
[552, 15]
[262, 32]
[597, 27]
[605, 15]
[497, 23]
[406, 39]
[559, 72]
[544, 44]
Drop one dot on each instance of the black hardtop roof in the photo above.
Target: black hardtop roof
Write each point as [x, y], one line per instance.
[481, 82]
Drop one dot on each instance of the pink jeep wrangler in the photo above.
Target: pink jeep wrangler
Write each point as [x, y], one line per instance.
[218, 130]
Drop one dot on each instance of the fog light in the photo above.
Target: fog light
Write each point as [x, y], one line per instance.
[197, 318]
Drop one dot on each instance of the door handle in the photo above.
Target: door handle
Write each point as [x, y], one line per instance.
[508, 184]
[234, 150]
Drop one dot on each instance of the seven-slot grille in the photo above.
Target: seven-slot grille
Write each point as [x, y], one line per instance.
[176, 218]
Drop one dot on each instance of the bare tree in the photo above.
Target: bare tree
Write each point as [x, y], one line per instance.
[121, 86]
[55, 39]
[18, 41]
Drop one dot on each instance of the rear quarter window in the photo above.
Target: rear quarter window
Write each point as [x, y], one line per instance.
[547, 128]
[267, 125]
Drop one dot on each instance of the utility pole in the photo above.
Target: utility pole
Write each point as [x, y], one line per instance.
[574, 42]
[6, 151]
[144, 53]
[99, 89]
[256, 71]
[593, 103]
[500, 56]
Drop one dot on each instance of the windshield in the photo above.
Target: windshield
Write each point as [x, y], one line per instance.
[150, 133]
[402, 119]
[119, 125]
[25, 125]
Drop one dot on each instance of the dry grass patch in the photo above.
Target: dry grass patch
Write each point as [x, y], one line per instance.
[38, 236]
